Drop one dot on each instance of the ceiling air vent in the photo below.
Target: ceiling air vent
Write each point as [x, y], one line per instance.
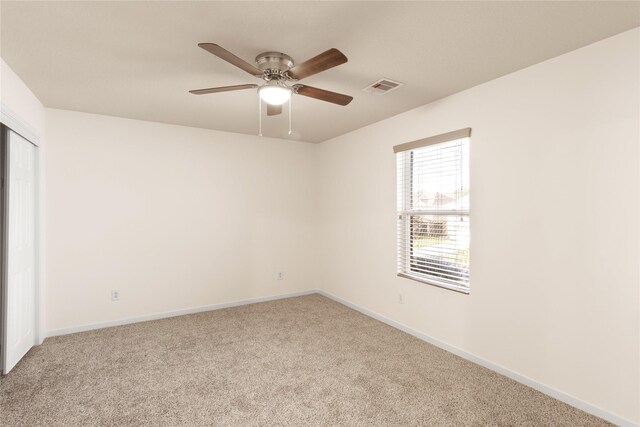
[383, 86]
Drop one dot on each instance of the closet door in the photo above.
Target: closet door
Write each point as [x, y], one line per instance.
[19, 293]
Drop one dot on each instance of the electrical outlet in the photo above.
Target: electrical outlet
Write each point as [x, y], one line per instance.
[115, 295]
[401, 298]
[280, 275]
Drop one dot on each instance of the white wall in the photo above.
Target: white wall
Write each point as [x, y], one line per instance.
[172, 217]
[24, 113]
[19, 100]
[555, 223]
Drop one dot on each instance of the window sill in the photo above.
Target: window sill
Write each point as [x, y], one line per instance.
[435, 283]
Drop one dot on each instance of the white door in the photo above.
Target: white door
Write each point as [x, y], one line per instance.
[19, 302]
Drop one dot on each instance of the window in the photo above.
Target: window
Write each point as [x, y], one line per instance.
[433, 210]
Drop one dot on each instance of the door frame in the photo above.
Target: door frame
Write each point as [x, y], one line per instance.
[4, 194]
[4, 174]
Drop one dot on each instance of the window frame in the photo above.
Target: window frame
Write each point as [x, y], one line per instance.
[404, 226]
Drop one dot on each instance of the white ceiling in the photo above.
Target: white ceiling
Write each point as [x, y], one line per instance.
[139, 59]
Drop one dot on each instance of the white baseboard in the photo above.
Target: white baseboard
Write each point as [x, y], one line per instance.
[174, 313]
[550, 391]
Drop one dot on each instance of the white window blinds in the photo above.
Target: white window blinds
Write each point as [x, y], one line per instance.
[433, 210]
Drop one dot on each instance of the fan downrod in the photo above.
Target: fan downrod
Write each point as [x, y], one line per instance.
[274, 64]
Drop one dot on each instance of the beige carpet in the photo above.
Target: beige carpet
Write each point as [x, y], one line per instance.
[301, 361]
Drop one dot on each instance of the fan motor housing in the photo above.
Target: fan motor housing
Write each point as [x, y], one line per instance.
[274, 61]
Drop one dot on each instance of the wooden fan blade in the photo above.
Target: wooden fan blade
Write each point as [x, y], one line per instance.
[324, 61]
[222, 89]
[231, 58]
[323, 95]
[274, 110]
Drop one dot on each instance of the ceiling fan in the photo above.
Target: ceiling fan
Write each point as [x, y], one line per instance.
[278, 71]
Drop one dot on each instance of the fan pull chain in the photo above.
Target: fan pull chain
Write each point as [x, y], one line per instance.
[290, 99]
[259, 116]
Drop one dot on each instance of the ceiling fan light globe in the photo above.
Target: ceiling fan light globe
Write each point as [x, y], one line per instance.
[274, 95]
